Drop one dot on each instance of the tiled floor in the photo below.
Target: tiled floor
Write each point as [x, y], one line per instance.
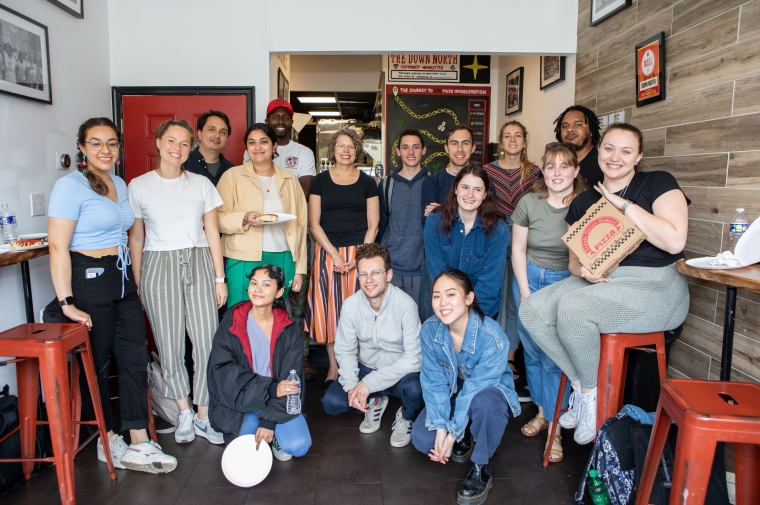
[343, 467]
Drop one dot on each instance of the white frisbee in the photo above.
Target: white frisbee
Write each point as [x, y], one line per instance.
[243, 465]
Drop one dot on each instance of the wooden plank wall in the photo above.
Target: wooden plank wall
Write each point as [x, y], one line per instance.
[706, 133]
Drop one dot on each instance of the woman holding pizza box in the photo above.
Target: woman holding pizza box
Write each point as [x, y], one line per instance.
[644, 294]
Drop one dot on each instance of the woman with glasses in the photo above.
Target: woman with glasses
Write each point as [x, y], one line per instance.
[344, 212]
[88, 219]
[253, 190]
[179, 270]
[539, 258]
[255, 348]
[468, 233]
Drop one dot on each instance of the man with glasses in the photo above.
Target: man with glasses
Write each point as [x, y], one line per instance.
[579, 126]
[378, 349]
[213, 130]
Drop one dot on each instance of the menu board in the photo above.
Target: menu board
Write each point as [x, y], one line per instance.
[433, 110]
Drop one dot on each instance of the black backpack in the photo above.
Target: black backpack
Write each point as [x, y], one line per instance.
[10, 448]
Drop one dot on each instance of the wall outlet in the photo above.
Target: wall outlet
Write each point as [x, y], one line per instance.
[38, 204]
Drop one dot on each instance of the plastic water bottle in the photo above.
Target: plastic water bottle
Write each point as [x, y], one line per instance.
[738, 225]
[9, 224]
[597, 489]
[294, 400]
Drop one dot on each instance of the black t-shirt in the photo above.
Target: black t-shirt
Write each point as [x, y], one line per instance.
[344, 208]
[644, 189]
[590, 170]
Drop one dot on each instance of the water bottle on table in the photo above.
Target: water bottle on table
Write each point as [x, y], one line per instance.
[597, 489]
[738, 225]
[9, 224]
[294, 400]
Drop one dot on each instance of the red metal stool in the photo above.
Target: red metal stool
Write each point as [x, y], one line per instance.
[706, 413]
[613, 364]
[42, 349]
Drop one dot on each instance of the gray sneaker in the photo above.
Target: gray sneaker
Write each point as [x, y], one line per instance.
[373, 415]
[185, 432]
[204, 429]
[278, 452]
[118, 447]
[402, 431]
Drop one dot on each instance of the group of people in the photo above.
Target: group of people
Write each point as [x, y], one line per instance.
[24, 68]
[422, 287]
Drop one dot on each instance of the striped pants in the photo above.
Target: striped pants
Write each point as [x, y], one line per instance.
[178, 293]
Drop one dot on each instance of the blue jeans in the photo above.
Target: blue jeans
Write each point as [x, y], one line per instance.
[408, 388]
[543, 374]
[293, 436]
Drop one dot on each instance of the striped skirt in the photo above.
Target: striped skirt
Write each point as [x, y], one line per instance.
[327, 291]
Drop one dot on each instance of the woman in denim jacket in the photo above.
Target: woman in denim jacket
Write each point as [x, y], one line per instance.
[468, 233]
[464, 378]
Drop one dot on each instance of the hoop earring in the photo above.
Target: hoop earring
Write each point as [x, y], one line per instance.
[84, 160]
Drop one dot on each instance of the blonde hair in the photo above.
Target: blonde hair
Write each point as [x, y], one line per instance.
[568, 156]
[526, 166]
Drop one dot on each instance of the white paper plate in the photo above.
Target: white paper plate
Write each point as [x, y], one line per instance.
[28, 248]
[281, 218]
[32, 236]
[5, 248]
[705, 263]
[748, 247]
[243, 465]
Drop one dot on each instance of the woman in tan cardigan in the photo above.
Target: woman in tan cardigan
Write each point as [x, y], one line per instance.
[249, 191]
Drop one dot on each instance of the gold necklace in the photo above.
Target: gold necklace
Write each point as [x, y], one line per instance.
[261, 178]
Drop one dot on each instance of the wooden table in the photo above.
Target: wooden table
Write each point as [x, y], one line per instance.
[747, 278]
[22, 258]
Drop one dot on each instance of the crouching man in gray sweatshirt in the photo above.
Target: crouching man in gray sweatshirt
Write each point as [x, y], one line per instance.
[378, 349]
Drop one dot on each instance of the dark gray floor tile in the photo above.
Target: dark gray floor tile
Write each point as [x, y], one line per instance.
[29, 492]
[148, 488]
[348, 466]
[194, 449]
[350, 494]
[207, 496]
[291, 482]
[334, 441]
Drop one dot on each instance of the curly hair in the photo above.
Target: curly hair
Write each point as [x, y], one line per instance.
[96, 183]
[373, 250]
[591, 120]
[351, 133]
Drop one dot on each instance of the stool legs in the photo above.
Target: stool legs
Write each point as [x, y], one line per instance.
[691, 467]
[28, 378]
[654, 452]
[92, 382]
[747, 466]
[613, 363]
[555, 423]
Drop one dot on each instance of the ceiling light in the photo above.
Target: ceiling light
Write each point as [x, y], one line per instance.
[324, 113]
[316, 99]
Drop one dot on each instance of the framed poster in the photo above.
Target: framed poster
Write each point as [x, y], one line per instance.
[514, 91]
[24, 57]
[552, 70]
[650, 70]
[283, 86]
[603, 9]
[73, 7]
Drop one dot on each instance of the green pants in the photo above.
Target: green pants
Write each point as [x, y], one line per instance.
[238, 272]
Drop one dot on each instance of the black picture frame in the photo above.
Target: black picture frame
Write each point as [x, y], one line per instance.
[605, 9]
[555, 78]
[645, 78]
[30, 78]
[76, 10]
[283, 86]
[514, 98]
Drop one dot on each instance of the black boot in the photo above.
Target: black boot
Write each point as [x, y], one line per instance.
[462, 450]
[474, 489]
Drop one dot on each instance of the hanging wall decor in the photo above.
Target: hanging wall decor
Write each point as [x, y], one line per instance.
[514, 91]
[24, 57]
[73, 7]
[552, 71]
[650, 70]
[603, 9]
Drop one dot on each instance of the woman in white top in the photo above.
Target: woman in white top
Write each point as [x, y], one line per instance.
[179, 270]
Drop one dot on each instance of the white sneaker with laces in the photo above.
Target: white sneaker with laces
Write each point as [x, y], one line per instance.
[569, 420]
[586, 431]
[373, 415]
[118, 448]
[204, 429]
[402, 431]
[278, 452]
[148, 457]
[185, 432]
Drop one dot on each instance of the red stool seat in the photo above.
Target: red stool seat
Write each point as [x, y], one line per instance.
[706, 413]
[613, 364]
[42, 349]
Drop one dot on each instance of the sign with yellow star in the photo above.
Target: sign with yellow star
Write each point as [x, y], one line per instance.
[476, 69]
[453, 68]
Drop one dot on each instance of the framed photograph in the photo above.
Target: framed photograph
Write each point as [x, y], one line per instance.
[552, 71]
[73, 7]
[283, 86]
[650, 70]
[24, 57]
[603, 9]
[514, 91]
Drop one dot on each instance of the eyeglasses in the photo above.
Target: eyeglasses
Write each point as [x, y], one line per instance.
[375, 274]
[98, 145]
[350, 147]
[567, 145]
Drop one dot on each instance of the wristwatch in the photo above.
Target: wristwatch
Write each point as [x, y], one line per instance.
[220, 280]
[69, 300]
[625, 206]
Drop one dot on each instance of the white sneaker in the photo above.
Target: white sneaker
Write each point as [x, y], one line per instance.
[185, 432]
[586, 431]
[118, 448]
[148, 457]
[569, 420]
[204, 429]
[374, 413]
[278, 452]
[402, 431]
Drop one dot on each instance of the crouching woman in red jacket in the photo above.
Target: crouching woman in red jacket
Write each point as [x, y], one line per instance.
[255, 348]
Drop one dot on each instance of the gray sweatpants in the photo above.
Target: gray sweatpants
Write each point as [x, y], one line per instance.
[566, 319]
[178, 293]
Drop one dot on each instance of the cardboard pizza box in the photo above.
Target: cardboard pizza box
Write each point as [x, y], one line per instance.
[603, 237]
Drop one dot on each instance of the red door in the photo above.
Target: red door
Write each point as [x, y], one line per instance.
[142, 115]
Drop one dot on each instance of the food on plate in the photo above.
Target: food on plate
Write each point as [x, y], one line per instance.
[268, 218]
[26, 243]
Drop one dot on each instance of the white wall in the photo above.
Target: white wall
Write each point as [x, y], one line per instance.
[335, 72]
[31, 132]
[540, 107]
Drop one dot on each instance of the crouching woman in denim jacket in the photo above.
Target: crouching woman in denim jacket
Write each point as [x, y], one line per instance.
[466, 384]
